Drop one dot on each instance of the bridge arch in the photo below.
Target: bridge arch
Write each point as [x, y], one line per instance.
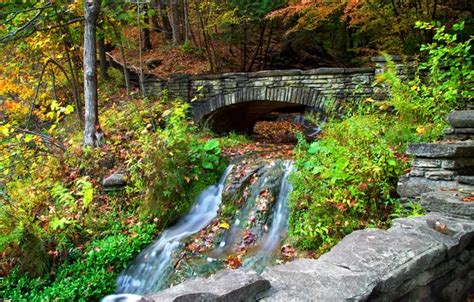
[239, 110]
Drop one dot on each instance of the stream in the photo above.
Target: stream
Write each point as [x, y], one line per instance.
[239, 222]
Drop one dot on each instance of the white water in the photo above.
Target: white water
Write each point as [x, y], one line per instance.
[280, 212]
[149, 271]
[279, 223]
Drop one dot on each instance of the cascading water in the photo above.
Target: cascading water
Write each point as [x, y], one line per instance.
[147, 273]
[254, 204]
[279, 223]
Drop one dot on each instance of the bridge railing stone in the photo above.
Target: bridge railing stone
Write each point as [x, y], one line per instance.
[335, 83]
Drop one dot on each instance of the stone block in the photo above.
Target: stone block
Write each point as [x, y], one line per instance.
[469, 180]
[464, 256]
[460, 131]
[420, 294]
[441, 150]
[228, 285]
[461, 119]
[413, 187]
[417, 172]
[455, 291]
[440, 175]
[316, 280]
[447, 202]
[426, 163]
[462, 230]
[459, 163]
[393, 256]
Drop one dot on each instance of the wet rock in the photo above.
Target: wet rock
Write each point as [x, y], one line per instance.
[115, 181]
[461, 119]
[124, 298]
[447, 202]
[229, 285]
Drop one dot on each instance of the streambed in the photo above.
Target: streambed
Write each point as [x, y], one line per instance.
[239, 222]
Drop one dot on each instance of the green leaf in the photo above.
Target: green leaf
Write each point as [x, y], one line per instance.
[211, 144]
[207, 165]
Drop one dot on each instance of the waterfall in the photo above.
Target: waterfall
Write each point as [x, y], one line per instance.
[258, 195]
[279, 223]
[149, 270]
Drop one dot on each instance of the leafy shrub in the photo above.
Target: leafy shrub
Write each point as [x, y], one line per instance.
[344, 181]
[347, 179]
[88, 277]
[176, 166]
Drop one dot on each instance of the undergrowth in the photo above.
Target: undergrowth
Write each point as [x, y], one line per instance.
[65, 239]
[347, 179]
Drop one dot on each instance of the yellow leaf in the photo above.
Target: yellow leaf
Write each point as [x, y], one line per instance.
[421, 130]
[224, 226]
[187, 179]
[5, 129]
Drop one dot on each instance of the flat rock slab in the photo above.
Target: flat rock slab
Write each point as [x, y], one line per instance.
[461, 119]
[468, 180]
[413, 187]
[317, 280]
[448, 202]
[458, 150]
[228, 285]
[373, 264]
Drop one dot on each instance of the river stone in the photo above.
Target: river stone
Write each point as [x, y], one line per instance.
[441, 150]
[447, 202]
[461, 119]
[116, 180]
[228, 285]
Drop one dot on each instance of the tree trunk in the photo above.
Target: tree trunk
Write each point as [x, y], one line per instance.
[126, 74]
[175, 20]
[165, 21]
[102, 58]
[146, 31]
[92, 131]
[67, 44]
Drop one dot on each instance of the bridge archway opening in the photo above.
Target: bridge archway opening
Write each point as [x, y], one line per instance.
[242, 117]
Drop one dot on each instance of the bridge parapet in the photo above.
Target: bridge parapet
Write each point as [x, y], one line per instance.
[297, 87]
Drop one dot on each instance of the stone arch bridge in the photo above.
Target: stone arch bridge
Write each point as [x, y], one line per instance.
[235, 101]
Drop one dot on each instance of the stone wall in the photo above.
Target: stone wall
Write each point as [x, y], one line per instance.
[211, 92]
[428, 258]
[330, 81]
[442, 173]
